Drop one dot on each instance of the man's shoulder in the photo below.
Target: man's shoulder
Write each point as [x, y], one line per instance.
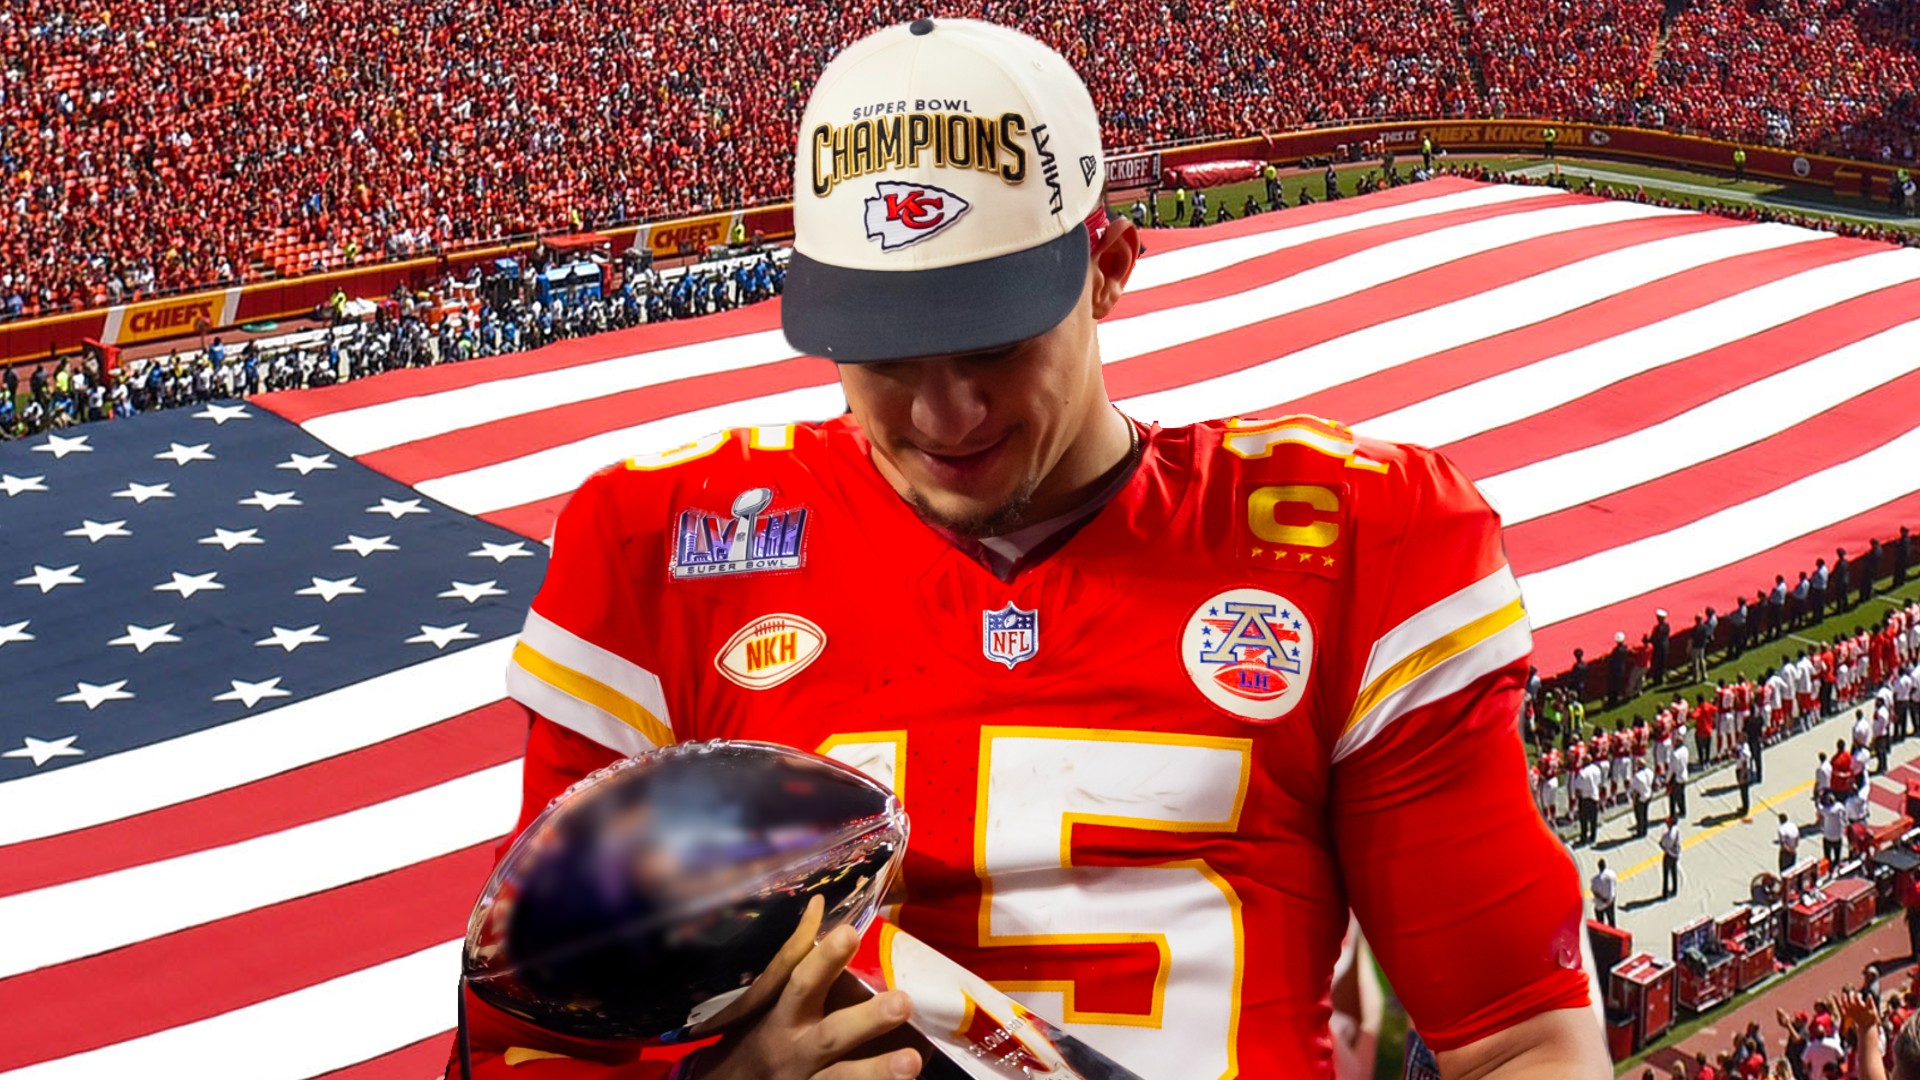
[720, 465]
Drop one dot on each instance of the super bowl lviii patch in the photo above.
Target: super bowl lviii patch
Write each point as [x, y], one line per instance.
[1249, 651]
[752, 537]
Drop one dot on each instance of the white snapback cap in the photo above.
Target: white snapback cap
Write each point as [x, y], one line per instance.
[946, 174]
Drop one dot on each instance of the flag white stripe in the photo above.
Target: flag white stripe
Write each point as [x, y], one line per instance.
[1806, 505]
[1183, 264]
[1442, 617]
[310, 1031]
[1756, 411]
[1355, 274]
[1454, 673]
[377, 427]
[1522, 392]
[1390, 344]
[558, 470]
[95, 914]
[253, 747]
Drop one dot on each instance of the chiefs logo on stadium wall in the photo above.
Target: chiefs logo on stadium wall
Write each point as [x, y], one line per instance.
[1249, 651]
[770, 650]
[901, 214]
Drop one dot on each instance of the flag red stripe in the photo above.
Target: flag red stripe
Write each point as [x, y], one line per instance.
[1421, 291]
[303, 405]
[1406, 384]
[1314, 254]
[419, 759]
[1837, 435]
[1655, 396]
[415, 1061]
[234, 962]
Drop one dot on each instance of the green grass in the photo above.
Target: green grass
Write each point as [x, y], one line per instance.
[1798, 198]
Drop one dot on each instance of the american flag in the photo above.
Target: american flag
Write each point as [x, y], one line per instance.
[255, 752]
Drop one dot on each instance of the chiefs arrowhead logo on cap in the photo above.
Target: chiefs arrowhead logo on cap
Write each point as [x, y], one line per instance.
[901, 214]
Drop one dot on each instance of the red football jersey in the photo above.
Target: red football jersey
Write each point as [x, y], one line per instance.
[1278, 675]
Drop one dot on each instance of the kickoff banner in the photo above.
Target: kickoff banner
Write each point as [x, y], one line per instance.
[174, 316]
[666, 239]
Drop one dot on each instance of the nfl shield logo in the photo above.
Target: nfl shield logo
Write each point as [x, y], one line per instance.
[1010, 635]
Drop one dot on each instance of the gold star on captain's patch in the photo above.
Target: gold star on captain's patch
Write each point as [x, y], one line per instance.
[1305, 555]
[1328, 559]
[1257, 552]
[1278, 555]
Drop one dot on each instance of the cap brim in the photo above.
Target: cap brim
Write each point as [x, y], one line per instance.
[860, 316]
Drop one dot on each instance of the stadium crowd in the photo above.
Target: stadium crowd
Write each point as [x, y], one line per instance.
[146, 148]
[1859, 1032]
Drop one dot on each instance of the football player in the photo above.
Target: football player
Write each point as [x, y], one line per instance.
[1164, 703]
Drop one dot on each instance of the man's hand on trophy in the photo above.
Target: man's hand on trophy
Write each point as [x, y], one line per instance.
[797, 1037]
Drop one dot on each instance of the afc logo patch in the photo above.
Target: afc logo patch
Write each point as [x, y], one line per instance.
[901, 214]
[1249, 652]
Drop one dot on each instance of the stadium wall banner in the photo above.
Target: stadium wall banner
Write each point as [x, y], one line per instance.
[667, 239]
[1133, 172]
[173, 316]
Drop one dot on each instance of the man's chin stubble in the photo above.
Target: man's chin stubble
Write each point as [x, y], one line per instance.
[1005, 518]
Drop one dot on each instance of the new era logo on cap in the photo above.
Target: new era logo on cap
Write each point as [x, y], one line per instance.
[902, 214]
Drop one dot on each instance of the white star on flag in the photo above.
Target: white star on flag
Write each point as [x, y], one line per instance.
[49, 578]
[328, 588]
[251, 693]
[94, 696]
[220, 414]
[42, 751]
[228, 539]
[397, 508]
[364, 546]
[267, 500]
[143, 638]
[140, 493]
[441, 636]
[501, 552]
[96, 531]
[307, 463]
[293, 639]
[12, 632]
[180, 454]
[15, 485]
[188, 584]
[62, 445]
[474, 593]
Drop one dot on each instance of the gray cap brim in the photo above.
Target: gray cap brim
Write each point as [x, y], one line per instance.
[860, 316]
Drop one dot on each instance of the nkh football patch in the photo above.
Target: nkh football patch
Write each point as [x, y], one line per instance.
[901, 214]
[1249, 651]
[1010, 635]
[770, 650]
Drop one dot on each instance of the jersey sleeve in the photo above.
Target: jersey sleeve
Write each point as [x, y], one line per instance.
[1471, 904]
[585, 660]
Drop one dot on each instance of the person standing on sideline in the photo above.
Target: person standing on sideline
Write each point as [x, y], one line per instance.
[1661, 639]
[1743, 775]
[1586, 789]
[1817, 595]
[1426, 151]
[1677, 778]
[1617, 670]
[1642, 788]
[1549, 139]
[1756, 734]
[1698, 640]
[1670, 858]
[1787, 838]
[1833, 829]
[1605, 885]
[1739, 163]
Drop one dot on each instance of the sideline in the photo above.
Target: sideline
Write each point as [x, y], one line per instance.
[1875, 217]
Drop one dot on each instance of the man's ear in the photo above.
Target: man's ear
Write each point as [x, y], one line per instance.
[1113, 262]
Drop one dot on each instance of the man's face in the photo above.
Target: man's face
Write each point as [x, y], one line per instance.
[971, 439]
[981, 443]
